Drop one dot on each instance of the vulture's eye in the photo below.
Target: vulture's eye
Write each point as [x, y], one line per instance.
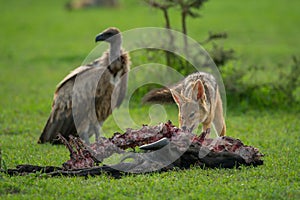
[109, 34]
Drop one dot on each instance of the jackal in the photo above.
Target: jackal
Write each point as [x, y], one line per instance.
[198, 99]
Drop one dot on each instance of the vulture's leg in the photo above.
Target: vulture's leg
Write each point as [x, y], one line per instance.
[97, 129]
[85, 135]
[90, 130]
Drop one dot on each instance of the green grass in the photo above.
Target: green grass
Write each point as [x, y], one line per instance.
[275, 134]
[41, 42]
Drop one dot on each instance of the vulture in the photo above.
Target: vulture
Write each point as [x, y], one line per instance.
[87, 96]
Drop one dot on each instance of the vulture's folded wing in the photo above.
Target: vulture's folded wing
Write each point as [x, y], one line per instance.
[71, 75]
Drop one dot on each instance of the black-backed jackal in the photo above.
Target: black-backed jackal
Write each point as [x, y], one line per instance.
[198, 99]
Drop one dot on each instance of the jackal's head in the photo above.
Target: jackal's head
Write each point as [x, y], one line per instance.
[192, 105]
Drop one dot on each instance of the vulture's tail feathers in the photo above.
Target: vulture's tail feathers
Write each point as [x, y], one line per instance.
[53, 128]
[50, 131]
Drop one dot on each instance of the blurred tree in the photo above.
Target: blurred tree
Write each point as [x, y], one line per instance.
[164, 6]
[189, 8]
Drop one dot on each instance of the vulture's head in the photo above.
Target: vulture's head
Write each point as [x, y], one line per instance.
[108, 34]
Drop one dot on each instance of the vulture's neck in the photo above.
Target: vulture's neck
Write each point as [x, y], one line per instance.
[115, 49]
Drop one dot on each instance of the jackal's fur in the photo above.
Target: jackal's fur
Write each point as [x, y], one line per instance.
[198, 99]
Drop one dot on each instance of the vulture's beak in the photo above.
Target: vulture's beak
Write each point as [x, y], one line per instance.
[100, 37]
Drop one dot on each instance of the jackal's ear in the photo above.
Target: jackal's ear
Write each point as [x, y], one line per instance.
[198, 91]
[178, 98]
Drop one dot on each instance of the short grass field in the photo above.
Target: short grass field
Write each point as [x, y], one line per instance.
[41, 42]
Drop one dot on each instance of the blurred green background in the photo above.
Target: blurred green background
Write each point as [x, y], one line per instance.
[42, 41]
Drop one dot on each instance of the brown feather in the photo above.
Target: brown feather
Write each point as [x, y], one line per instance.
[61, 117]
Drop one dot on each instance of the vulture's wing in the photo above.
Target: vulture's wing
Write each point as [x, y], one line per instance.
[71, 75]
[61, 117]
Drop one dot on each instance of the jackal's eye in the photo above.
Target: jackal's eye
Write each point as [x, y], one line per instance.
[192, 114]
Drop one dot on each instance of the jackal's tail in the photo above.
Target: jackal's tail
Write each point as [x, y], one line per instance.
[161, 95]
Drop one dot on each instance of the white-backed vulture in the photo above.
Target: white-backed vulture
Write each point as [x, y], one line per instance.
[78, 91]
